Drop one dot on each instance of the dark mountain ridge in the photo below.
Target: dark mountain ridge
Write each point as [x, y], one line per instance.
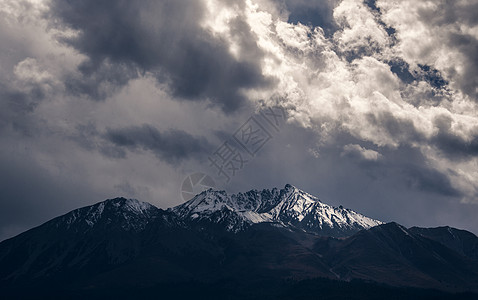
[249, 238]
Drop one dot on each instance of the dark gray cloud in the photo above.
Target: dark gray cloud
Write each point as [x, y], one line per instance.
[406, 165]
[358, 144]
[17, 105]
[401, 129]
[429, 180]
[88, 137]
[453, 13]
[453, 145]
[465, 12]
[397, 187]
[99, 80]
[30, 195]
[468, 46]
[172, 145]
[123, 39]
[314, 13]
[22, 89]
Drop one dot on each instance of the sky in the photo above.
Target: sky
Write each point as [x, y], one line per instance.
[367, 104]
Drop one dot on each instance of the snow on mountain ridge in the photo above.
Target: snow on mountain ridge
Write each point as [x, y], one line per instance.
[289, 206]
[133, 213]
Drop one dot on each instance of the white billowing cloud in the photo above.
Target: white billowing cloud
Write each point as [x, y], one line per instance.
[28, 70]
[331, 84]
[334, 84]
[29, 74]
[360, 31]
[345, 83]
[363, 153]
[64, 136]
[442, 34]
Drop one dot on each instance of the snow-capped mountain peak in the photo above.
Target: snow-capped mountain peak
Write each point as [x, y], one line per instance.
[289, 207]
[132, 205]
[132, 214]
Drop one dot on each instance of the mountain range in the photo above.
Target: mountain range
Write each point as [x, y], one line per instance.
[289, 207]
[279, 243]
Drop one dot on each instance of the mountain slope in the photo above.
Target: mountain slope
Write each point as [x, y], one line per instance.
[461, 241]
[92, 237]
[248, 240]
[287, 207]
[392, 254]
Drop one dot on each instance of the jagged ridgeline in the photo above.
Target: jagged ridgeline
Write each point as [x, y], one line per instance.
[288, 207]
[272, 244]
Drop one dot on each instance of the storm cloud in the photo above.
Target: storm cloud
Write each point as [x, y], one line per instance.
[123, 39]
[172, 145]
[127, 98]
